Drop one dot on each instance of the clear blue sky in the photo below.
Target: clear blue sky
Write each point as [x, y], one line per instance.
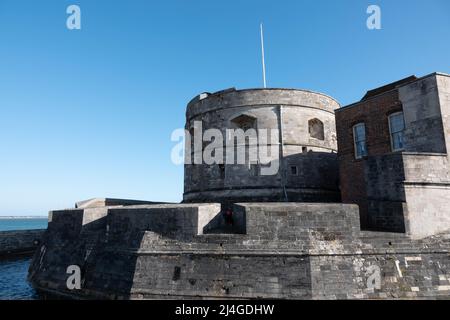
[89, 113]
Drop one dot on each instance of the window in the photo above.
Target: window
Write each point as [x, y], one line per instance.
[316, 129]
[254, 169]
[359, 136]
[191, 133]
[294, 170]
[222, 171]
[397, 127]
[244, 122]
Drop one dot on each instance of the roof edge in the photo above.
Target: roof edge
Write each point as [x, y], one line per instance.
[399, 86]
[226, 91]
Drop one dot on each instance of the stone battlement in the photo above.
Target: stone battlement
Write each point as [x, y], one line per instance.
[292, 251]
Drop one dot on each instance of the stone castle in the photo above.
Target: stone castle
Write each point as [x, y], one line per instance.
[357, 210]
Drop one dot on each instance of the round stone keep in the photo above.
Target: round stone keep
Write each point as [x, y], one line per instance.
[300, 142]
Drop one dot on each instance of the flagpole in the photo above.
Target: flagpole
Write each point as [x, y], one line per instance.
[263, 58]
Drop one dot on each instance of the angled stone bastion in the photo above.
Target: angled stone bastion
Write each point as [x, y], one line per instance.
[274, 251]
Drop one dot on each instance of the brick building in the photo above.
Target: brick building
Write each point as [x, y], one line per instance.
[393, 155]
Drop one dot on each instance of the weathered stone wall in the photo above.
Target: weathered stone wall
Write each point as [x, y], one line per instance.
[443, 83]
[384, 176]
[413, 275]
[428, 175]
[408, 192]
[287, 113]
[426, 168]
[222, 276]
[295, 224]
[423, 118]
[258, 97]
[17, 242]
[427, 193]
[289, 251]
[428, 212]
[178, 222]
[426, 165]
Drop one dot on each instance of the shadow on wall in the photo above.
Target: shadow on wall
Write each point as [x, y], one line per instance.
[68, 242]
[386, 200]
[316, 171]
[163, 251]
[115, 248]
[230, 220]
[310, 176]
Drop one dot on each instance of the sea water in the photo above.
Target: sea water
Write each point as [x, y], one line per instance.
[14, 270]
[11, 224]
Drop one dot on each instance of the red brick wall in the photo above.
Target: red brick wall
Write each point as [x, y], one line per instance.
[374, 113]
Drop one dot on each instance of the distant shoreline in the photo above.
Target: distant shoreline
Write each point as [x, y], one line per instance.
[22, 217]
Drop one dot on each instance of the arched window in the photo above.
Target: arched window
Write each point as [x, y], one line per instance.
[316, 129]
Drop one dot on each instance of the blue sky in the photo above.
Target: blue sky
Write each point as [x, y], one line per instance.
[89, 113]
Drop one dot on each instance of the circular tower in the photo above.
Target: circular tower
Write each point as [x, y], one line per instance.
[293, 158]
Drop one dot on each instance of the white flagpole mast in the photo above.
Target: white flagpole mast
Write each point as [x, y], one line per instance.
[263, 59]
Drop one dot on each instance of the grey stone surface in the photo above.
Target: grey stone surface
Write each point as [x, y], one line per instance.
[289, 251]
[423, 118]
[287, 112]
[108, 202]
[18, 242]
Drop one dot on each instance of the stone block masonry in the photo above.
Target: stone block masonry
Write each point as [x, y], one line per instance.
[19, 242]
[283, 251]
[306, 158]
